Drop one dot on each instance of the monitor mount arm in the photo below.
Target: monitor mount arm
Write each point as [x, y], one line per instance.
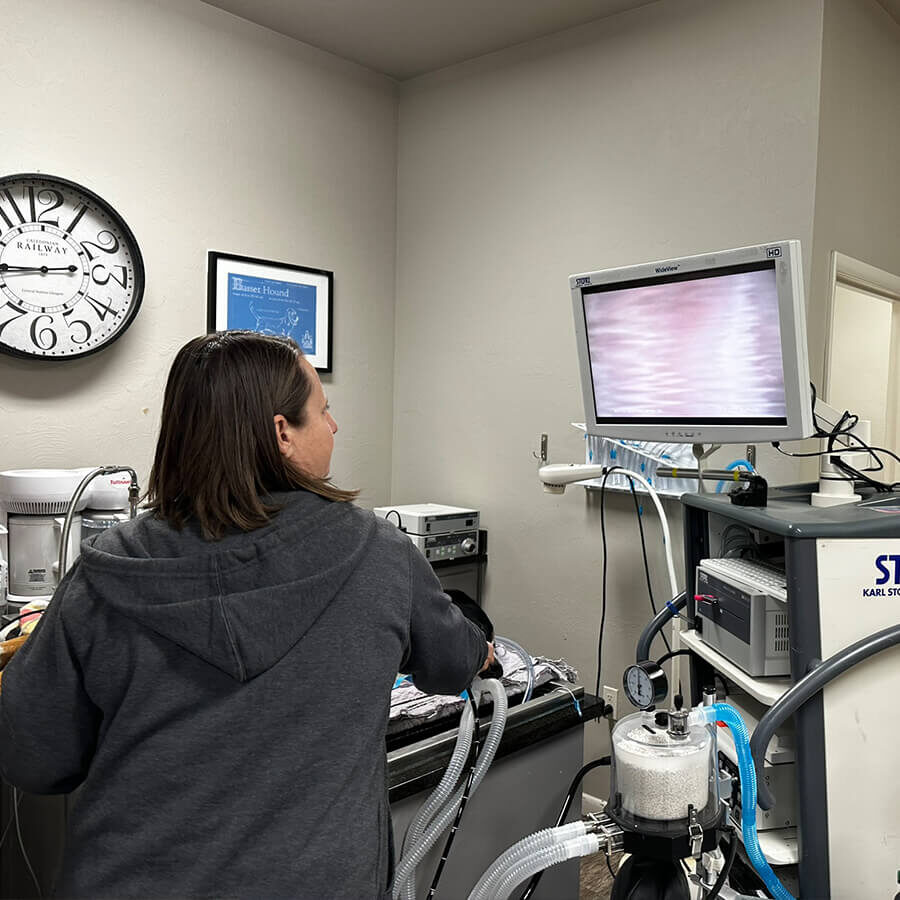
[835, 485]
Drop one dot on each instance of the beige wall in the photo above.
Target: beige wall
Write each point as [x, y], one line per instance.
[205, 132]
[672, 129]
[858, 180]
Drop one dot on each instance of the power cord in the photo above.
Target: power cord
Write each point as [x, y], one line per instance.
[399, 518]
[726, 869]
[879, 486]
[606, 474]
[9, 626]
[567, 805]
[609, 866]
[842, 429]
[9, 822]
[22, 843]
[640, 519]
[738, 538]
[667, 656]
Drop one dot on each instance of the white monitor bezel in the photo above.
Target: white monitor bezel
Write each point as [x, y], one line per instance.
[794, 354]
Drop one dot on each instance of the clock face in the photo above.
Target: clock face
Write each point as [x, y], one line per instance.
[71, 273]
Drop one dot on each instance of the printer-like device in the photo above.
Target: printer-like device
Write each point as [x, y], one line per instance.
[440, 532]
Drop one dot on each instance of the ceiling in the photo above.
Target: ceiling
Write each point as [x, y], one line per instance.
[405, 38]
[893, 7]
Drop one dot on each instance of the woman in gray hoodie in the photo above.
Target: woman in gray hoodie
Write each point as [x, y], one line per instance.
[214, 676]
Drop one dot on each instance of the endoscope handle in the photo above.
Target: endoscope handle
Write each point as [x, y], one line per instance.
[494, 670]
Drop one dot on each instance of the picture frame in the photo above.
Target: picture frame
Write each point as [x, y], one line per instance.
[247, 293]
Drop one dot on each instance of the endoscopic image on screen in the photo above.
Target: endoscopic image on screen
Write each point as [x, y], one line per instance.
[699, 349]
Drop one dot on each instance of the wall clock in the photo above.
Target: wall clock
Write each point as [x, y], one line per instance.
[71, 272]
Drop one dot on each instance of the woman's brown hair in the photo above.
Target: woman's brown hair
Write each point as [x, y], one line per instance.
[217, 456]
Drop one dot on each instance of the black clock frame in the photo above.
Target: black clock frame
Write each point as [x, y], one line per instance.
[138, 261]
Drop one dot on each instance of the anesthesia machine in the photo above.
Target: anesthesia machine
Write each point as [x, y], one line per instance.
[781, 776]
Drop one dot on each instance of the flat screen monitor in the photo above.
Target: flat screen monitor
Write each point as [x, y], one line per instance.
[702, 349]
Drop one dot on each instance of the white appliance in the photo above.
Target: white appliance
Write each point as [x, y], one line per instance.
[33, 505]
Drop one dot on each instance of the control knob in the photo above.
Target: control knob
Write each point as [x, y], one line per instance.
[468, 545]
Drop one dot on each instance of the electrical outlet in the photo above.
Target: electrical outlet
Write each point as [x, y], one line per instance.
[611, 698]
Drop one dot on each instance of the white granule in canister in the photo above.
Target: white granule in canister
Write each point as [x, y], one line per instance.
[661, 781]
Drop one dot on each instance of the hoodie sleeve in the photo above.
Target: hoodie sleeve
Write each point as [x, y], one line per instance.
[48, 725]
[445, 650]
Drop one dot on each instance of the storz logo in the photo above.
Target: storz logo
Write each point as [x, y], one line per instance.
[662, 269]
[772, 252]
[582, 282]
[888, 569]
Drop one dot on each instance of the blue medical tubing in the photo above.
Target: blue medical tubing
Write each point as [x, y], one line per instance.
[731, 467]
[724, 712]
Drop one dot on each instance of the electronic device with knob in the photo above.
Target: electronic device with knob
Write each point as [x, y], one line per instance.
[440, 532]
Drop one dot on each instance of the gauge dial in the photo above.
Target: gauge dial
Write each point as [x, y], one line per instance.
[645, 684]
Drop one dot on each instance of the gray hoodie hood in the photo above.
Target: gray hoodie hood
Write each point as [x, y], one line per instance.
[241, 603]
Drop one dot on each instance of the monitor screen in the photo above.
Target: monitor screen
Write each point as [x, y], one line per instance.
[708, 348]
[693, 348]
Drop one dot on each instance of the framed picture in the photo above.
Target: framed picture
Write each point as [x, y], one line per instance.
[272, 298]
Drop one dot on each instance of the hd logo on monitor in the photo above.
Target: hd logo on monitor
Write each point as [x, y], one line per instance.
[772, 252]
[887, 567]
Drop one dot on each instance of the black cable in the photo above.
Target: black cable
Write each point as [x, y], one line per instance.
[879, 486]
[847, 419]
[836, 432]
[22, 847]
[726, 869]
[9, 821]
[397, 514]
[573, 787]
[777, 446]
[843, 428]
[872, 451]
[567, 805]
[671, 653]
[609, 866]
[473, 759]
[31, 612]
[640, 518]
[606, 474]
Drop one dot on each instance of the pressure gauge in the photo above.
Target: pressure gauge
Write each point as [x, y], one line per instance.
[645, 684]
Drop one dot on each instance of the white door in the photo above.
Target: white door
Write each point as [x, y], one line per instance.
[863, 355]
